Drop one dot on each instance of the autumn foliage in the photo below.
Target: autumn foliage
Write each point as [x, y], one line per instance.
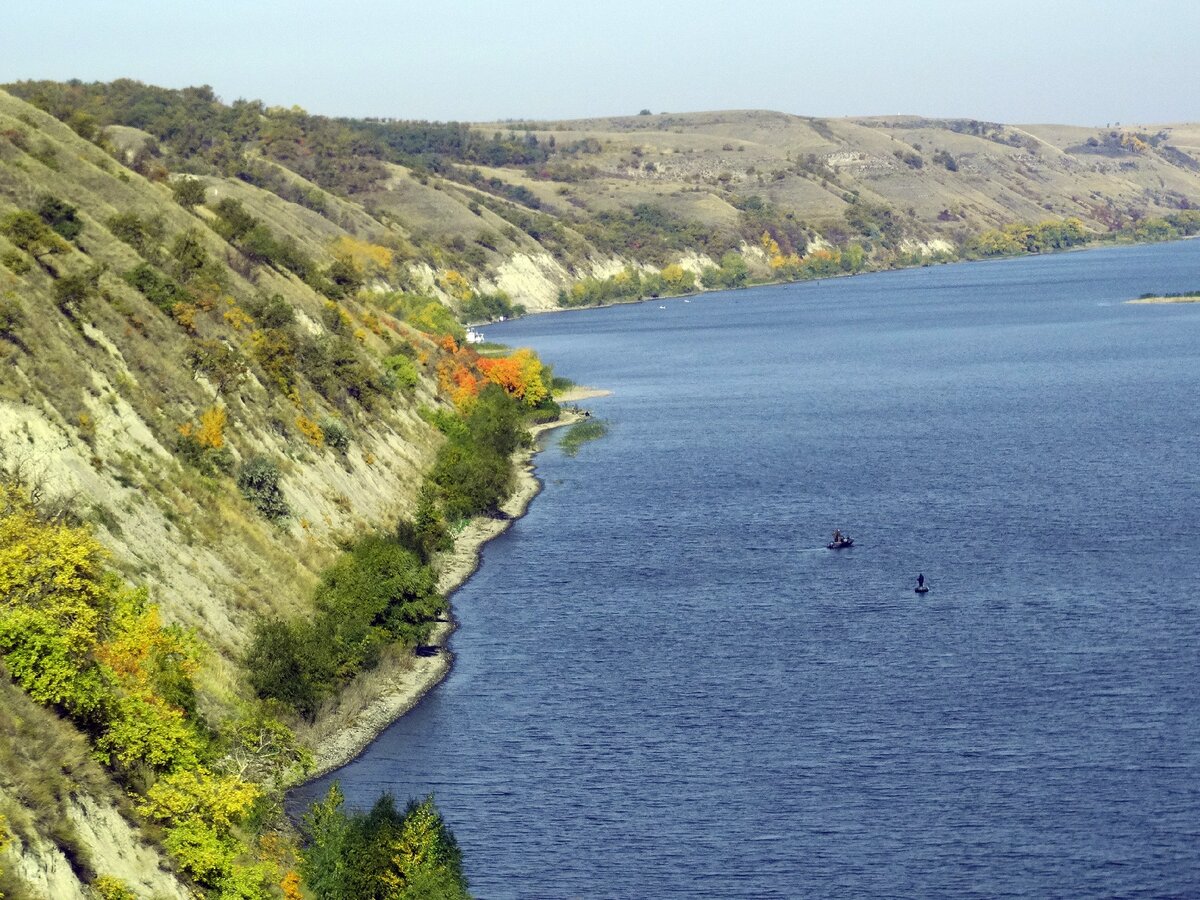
[80, 641]
[522, 376]
[462, 373]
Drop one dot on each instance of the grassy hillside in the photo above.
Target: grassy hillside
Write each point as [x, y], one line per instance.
[233, 393]
[530, 209]
[234, 376]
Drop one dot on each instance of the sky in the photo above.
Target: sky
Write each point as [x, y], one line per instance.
[1016, 61]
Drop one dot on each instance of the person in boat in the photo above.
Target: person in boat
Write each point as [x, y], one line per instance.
[920, 581]
[837, 536]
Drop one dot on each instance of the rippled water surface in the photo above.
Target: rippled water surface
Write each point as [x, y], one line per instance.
[665, 686]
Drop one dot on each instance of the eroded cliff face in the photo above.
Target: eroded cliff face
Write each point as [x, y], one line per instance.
[97, 394]
[104, 846]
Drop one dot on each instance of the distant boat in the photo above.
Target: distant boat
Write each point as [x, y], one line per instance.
[922, 585]
[662, 307]
[840, 541]
[475, 337]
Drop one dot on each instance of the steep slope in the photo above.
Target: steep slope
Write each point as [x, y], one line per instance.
[141, 374]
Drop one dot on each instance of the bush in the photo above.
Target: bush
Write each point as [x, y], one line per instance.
[27, 231]
[286, 662]
[336, 436]
[426, 533]
[258, 481]
[60, 216]
[187, 191]
[377, 592]
[12, 317]
[271, 312]
[156, 287]
[16, 262]
[71, 291]
[138, 233]
[372, 854]
[403, 371]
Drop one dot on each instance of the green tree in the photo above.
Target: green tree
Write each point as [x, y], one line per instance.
[60, 216]
[188, 191]
[27, 231]
[258, 480]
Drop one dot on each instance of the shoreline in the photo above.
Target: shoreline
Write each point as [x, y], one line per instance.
[369, 705]
[700, 292]
[1155, 300]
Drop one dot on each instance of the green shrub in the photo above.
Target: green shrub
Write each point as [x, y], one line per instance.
[12, 317]
[60, 216]
[381, 852]
[16, 262]
[156, 287]
[403, 371]
[489, 307]
[377, 592]
[271, 312]
[206, 460]
[287, 662]
[336, 369]
[233, 221]
[426, 533]
[337, 437]
[258, 480]
[140, 234]
[188, 191]
[71, 291]
[190, 257]
[27, 231]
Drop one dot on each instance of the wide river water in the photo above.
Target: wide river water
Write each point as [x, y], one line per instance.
[665, 686]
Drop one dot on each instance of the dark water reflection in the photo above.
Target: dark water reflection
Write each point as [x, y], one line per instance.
[665, 686]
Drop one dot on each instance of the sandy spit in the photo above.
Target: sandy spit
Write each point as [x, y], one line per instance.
[1165, 300]
[372, 703]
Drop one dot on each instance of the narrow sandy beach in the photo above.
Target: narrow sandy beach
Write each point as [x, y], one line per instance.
[372, 703]
[1165, 300]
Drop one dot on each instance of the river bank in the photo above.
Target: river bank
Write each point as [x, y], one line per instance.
[1177, 298]
[372, 703]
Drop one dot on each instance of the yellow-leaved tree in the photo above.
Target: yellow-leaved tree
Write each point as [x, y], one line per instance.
[5, 840]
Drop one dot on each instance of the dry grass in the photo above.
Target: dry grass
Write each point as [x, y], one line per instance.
[43, 762]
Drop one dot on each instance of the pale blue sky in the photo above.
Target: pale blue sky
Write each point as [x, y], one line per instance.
[1019, 61]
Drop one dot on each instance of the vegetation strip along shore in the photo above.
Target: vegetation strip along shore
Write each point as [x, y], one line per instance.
[400, 684]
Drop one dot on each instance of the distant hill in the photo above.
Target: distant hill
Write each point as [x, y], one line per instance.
[533, 208]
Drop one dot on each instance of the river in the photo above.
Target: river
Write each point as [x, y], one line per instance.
[665, 685]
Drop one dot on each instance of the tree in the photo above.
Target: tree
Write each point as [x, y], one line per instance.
[27, 231]
[285, 662]
[382, 853]
[54, 600]
[220, 363]
[71, 291]
[188, 191]
[60, 216]
[258, 480]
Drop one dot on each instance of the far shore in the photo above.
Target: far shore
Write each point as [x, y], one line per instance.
[1165, 300]
[380, 697]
